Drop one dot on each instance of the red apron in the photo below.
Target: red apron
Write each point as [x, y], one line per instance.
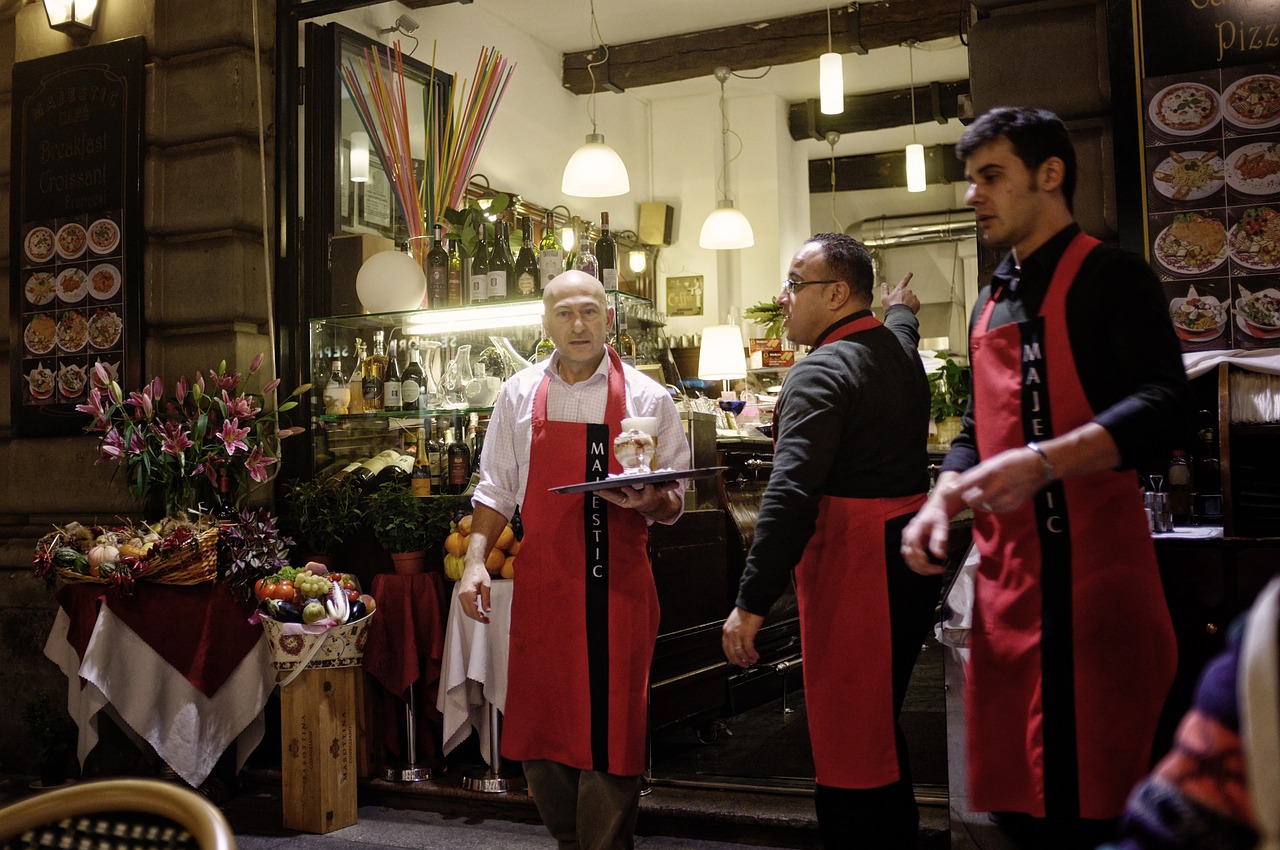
[584, 616]
[1073, 652]
[849, 688]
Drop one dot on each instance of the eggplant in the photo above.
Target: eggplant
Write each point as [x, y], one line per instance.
[278, 609]
[358, 611]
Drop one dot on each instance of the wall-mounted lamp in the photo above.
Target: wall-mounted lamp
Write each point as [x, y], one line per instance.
[830, 77]
[569, 234]
[915, 150]
[359, 157]
[76, 18]
[485, 200]
[638, 258]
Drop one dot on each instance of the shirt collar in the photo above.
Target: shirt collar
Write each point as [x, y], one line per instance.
[553, 368]
[1040, 264]
[838, 323]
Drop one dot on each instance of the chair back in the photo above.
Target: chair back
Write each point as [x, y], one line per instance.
[141, 812]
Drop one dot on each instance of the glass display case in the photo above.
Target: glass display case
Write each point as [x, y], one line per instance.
[463, 354]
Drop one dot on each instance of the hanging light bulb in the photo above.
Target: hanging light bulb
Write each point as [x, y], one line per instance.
[595, 170]
[726, 228]
[915, 150]
[638, 260]
[359, 157]
[830, 77]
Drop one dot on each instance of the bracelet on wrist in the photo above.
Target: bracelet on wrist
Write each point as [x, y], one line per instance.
[1050, 474]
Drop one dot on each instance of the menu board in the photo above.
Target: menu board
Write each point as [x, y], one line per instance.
[1213, 203]
[75, 226]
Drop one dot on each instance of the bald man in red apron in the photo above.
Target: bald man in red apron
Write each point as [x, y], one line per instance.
[584, 614]
[1072, 650]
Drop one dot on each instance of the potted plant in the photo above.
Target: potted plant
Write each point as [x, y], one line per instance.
[55, 732]
[400, 523]
[949, 392]
[768, 315]
[249, 549]
[324, 513]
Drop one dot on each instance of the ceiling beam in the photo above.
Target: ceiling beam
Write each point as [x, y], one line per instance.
[938, 102]
[778, 41]
[885, 170]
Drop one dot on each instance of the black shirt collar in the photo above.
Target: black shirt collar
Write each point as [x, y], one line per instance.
[1036, 269]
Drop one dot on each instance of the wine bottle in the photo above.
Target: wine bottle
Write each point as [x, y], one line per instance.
[458, 463]
[550, 251]
[437, 271]
[336, 394]
[421, 481]
[480, 271]
[391, 384]
[365, 476]
[607, 255]
[433, 453]
[456, 285]
[475, 436]
[375, 372]
[412, 380]
[544, 349]
[622, 341]
[584, 260]
[355, 386]
[500, 264]
[398, 470]
[225, 513]
[528, 274]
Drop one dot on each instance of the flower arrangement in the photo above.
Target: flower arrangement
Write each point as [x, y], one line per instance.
[184, 444]
[249, 549]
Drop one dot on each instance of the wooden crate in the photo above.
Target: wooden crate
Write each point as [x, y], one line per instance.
[318, 725]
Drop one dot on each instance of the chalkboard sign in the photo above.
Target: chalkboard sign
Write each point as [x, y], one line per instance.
[1194, 35]
[75, 228]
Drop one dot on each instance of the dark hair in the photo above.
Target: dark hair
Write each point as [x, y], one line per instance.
[848, 261]
[1036, 135]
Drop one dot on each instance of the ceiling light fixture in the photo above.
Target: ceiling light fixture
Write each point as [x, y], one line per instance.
[726, 228]
[915, 150]
[595, 170]
[76, 18]
[830, 77]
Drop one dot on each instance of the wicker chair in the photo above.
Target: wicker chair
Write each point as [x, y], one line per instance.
[144, 813]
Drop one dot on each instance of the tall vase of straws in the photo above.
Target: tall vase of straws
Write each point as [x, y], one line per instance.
[454, 130]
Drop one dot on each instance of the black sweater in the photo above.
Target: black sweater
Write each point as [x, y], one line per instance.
[852, 420]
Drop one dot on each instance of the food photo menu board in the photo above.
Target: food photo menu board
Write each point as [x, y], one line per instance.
[75, 225]
[1213, 200]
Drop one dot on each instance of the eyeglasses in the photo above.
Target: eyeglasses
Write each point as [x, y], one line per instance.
[790, 286]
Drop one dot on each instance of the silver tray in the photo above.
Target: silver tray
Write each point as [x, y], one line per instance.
[613, 482]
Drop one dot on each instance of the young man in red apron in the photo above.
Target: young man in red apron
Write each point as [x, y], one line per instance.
[1072, 650]
[850, 468]
[584, 616]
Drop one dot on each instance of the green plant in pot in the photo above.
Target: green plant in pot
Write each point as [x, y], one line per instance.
[400, 523]
[324, 513]
[466, 223]
[768, 314]
[949, 390]
[55, 732]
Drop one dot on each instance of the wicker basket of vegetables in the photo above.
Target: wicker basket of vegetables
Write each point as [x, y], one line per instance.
[173, 551]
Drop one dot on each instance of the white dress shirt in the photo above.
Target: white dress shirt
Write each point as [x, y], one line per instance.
[504, 463]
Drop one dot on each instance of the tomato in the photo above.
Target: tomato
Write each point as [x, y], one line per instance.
[268, 588]
[352, 593]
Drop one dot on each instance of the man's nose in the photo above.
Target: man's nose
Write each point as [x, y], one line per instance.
[970, 195]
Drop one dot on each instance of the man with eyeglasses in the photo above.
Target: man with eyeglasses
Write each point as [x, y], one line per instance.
[850, 468]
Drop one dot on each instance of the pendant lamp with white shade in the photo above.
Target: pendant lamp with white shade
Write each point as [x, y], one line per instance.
[595, 170]
[726, 228]
[915, 150]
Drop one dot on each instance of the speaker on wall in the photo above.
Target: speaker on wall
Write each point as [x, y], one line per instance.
[656, 219]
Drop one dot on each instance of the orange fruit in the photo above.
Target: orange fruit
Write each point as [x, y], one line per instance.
[509, 567]
[495, 560]
[464, 525]
[456, 544]
[506, 538]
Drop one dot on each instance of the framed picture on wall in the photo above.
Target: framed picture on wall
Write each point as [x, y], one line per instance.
[684, 295]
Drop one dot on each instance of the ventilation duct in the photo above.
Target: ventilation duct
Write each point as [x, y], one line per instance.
[896, 231]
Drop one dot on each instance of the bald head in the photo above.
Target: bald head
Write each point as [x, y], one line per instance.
[572, 282]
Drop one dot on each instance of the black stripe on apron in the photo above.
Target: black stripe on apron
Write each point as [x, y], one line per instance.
[1057, 666]
[596, 523]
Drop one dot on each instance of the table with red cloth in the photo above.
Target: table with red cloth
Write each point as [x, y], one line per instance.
[180, 667]
[404, 649]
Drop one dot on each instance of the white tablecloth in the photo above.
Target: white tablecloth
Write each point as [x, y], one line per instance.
[473, 673]
[187, 729]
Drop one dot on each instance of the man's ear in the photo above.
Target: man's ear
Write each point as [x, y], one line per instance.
[1051, 173]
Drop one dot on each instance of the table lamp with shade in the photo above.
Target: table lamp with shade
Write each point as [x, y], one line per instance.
[722, 356]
